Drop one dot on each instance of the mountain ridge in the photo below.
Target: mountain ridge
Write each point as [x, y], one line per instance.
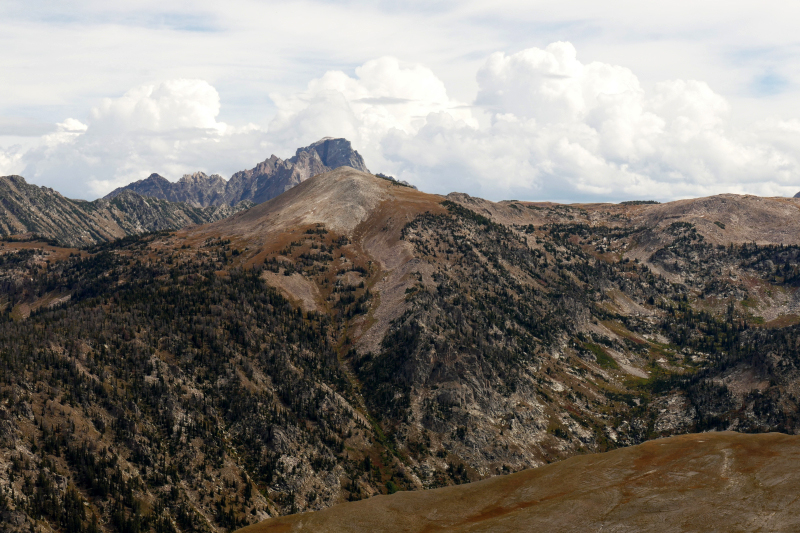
[32, 210]
[353, 336]
[263, 182]
[408, 266]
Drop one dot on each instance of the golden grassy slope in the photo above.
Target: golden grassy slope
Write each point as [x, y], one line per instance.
[700, 482]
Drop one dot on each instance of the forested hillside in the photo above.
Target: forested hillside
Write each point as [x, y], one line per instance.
[355, 337]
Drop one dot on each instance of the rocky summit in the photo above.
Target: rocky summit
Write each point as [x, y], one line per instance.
[265, 181]
[354, 337]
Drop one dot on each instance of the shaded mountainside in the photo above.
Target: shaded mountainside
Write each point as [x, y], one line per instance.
[265, 181]
[709, 482]
[28, 209]
[195, 189]
[354, 336]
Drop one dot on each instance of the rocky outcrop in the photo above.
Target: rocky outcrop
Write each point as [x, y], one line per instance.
[28, 209]
[195, 189]
[335, 153]
[265, 181]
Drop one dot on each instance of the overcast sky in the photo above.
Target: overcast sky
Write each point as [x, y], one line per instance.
[567, 101]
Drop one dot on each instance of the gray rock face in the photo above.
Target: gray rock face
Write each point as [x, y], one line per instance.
[201, 190]
[335, 153]
[265, 181]
[28, 209]
[196, 189]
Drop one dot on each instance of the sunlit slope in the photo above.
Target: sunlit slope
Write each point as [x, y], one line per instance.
[341, 200]
[700, 482]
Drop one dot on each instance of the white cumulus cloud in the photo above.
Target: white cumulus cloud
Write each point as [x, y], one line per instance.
[171, 105]
[11, 160]
[170, 128]
[543, 125]
[384, 95]
[558, 128]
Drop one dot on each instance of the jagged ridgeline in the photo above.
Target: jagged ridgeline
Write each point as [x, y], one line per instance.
[265, 181]
[155, 204]
[29, 210]
[354, 337]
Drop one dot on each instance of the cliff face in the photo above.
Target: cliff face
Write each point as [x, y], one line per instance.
[28, 209]
[335, 153]
[265, 181]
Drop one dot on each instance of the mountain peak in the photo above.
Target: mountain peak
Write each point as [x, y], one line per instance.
[340, 199]
[201, 178]
[15, 180]
[193, 178]
[335, 153]
[153, 186]
[265, 181]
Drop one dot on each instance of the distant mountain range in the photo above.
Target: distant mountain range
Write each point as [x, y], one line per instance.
[28, 209]
[155, 203]
[267, 180]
